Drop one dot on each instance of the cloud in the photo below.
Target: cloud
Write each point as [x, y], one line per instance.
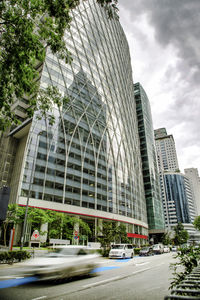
[164, 40]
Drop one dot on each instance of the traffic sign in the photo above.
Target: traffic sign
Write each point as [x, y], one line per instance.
[35, 234]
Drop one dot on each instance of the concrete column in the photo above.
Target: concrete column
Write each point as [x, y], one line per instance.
[43, 229]
[75, 240]
[99, 225]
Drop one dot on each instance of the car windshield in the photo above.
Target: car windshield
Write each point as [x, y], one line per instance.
[156, 247]
[145, 248]
[117, 246]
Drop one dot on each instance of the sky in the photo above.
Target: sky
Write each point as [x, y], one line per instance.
[164, 41]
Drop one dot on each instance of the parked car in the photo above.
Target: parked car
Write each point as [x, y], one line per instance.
[146, 251]
[158, 249]
[121, 251]
[166, 249]
[174, 248]
[64, 262]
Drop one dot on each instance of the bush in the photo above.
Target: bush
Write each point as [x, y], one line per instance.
[136, 251]
[8, 257]
[187, 259]
[104, 252]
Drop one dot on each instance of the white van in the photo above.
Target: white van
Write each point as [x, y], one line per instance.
[158, 249]
[121, 251]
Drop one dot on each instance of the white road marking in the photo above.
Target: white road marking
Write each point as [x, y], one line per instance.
[42, 297]
[100, 282]
[141, 264]
[141, 270]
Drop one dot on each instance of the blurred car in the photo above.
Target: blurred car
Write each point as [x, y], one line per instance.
[158, 249]
[146, 251]
[121, 251]
[65, 262]
[166, 249]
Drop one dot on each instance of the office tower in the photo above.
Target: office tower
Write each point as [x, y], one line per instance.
[179, 203]
[166, 150]
[193, 176]
[150, 169]
[177, 196]
[88, 162]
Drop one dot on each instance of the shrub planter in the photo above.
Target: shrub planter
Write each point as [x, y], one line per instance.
[9, 257]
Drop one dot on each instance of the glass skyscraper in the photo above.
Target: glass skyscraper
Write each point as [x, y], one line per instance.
[88, 162]
[149, 160]
[179, 208]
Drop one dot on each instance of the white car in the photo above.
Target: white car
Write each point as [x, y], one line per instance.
[121, 251]
[166, 249]
[158, 249]
[65, 262]
[174, 248]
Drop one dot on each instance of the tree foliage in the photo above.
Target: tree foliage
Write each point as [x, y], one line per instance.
[181, 235]
[196, 223]
[166, 239]
[187, 259]
[60, 225]
[111, 232]
[27, 28]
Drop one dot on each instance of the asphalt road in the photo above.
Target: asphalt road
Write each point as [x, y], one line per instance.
[142, 278]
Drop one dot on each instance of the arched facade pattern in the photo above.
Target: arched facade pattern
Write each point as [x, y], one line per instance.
[92, 157]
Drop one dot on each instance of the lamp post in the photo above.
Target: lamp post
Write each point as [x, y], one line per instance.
[29, 193]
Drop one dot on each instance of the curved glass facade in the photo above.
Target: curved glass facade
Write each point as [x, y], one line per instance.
[90, 157]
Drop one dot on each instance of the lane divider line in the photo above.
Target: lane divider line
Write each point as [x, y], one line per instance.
[42, 297]
[139, 271]
[101, 282]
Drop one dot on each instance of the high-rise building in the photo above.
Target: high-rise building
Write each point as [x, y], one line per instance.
[149, 161]
[88, 162]
[166, 150]
[193, 176]
[177, 196]
[179, 203]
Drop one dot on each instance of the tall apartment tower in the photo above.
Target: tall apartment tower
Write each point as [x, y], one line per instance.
[177, 196]
[179, 206]
[166, 150]
[193, 176]
[88, 162]
[150, 169]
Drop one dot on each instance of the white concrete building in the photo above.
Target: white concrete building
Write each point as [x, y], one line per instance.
[193, 176]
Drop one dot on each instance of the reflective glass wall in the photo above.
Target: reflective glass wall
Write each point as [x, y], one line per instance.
[149, 160]
[176, 199]
[90, 156]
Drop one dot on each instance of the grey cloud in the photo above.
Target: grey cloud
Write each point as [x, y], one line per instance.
[176, 22]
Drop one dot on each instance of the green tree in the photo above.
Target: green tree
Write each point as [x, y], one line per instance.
[61, 226]
[166, 239]
[196, 223]
[111, 232]
[28, 28]
[121, 234]
[181, 235]
[35, 218]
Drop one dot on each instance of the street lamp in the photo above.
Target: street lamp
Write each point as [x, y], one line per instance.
[28, 196]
